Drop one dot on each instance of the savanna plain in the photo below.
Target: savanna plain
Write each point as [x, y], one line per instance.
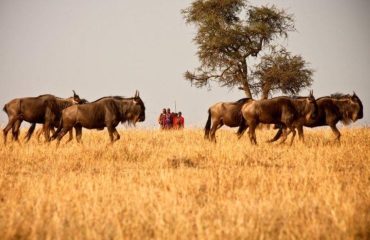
[154, 184]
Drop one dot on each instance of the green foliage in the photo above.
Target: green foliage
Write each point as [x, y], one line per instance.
[228, 33]
[281, 71]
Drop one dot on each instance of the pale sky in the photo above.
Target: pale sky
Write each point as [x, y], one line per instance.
[101, 48]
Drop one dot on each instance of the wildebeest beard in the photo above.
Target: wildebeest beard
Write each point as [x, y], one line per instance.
[345, 106]
[129, 113]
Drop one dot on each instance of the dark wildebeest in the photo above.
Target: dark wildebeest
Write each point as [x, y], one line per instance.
[40, 131]
[290, 112]
[223, 113]
[43, 109]
[104, 112]
[331, 110]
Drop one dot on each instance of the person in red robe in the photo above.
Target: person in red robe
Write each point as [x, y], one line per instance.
[162, 119]
[180, 121]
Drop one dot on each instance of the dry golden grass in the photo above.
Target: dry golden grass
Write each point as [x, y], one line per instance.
[175, 185]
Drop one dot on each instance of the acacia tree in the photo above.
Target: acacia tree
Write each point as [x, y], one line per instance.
[281, 71]
[228, 33]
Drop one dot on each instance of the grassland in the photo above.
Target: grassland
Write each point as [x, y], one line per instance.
[175, 185]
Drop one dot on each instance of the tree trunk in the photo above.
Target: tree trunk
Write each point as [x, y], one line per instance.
[244, 78]
[265, 94]
[247, 90]
[265, 91]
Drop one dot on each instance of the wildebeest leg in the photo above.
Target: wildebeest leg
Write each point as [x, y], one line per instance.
[208, 125]
[70, 135]
[336, 132]
[285, 135]
[215, 125]
[15, 129]
[254, 136]
[30, 132]
[300, 133]
[38, 134]
[111, 130]
[117, 135]
[252, 133]
[52, 130]
[5, 133]
[46, 130]
[8, 127]
[277, 136]
[40, 131]
[78, 134]
[294, 133]
[61, 135]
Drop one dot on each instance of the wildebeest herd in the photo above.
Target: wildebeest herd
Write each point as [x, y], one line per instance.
[287, 113]
[74, 112]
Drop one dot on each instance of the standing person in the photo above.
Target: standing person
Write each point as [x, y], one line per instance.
[168, 124]
[175, 121]
[162, 119]
[180, 121]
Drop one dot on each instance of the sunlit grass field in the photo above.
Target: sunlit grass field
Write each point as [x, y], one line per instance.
[175, 185]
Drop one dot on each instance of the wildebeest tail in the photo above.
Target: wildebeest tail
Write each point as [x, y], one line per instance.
[207, 128]
[5, 108]
[242, 126]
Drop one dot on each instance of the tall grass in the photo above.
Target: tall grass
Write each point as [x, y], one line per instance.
[176, 185]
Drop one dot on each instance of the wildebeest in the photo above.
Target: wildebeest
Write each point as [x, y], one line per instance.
[104, 112]
[223, 113]
[44, 109]
[332, 109]
[40, 131]
[290, 112]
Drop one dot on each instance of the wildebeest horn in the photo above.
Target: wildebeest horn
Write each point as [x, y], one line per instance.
[354, 94]
[74, 93]
[311, 93]
[137, 93]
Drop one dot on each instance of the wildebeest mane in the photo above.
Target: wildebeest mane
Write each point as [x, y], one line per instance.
[116, 105]
[242, 101]
[322, 97]
[339, 95]
[114, 97]
[83, 101]
[298, 97]
[44, 95]
[298, 106]
[61, 104]
[55, 107]
[336, 96]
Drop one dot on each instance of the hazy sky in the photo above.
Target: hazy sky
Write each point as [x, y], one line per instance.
[101, 48]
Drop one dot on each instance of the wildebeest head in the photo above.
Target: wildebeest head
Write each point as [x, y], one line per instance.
[137, 113]
[311, 107]
[356, 108]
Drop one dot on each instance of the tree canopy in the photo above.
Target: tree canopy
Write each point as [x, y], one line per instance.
[228, 33]
[281, 71]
